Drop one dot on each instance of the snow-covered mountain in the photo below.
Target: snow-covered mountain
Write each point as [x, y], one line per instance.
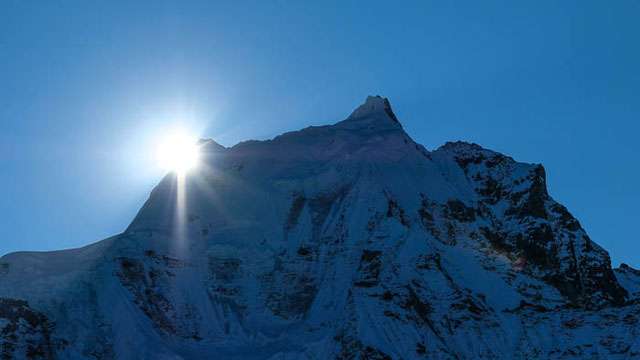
[346, 241]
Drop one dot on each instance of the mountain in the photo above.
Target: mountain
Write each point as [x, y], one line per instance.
[348, 241]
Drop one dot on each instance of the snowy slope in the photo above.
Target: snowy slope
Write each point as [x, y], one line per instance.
[629, 278]
[342, 241]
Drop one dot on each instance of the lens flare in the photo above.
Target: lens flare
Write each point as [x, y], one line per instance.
[178, 152]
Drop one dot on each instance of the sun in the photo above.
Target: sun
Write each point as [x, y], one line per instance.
[178, 151]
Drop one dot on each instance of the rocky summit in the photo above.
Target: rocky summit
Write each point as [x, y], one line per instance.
[346, 241]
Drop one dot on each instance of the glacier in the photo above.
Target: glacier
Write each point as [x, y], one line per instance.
[345, 241]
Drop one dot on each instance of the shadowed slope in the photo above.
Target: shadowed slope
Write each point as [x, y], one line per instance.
[341, 241]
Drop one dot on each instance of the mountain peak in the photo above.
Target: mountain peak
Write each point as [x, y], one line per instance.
[372, 106]
[339, 241]
[210, 145]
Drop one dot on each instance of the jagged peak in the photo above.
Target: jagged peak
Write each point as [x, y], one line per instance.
[466, 149]
[374, 105]
[210, 145]
[461, 145]
[626, 267]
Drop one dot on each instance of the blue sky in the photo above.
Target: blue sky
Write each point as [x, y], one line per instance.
[87, 86]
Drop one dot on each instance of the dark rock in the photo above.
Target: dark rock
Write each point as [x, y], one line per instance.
[294, 212]
[459, 211]
[534, 206]
[26, 332]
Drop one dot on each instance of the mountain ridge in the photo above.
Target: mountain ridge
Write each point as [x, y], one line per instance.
[340, 241]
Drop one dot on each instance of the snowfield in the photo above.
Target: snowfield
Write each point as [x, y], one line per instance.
[348, 241]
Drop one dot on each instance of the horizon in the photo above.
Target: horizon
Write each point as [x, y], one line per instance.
[89, 87]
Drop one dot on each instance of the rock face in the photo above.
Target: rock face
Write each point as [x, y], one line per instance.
[347, 241]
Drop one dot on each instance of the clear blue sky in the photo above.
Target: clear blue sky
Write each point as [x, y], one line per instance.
[86, 86]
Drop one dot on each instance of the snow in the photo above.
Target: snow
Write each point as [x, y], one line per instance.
[345, 240]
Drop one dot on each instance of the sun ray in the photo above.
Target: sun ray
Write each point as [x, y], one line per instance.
[178, 152]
